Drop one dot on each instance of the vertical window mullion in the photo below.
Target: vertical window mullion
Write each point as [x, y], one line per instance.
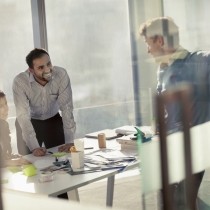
[39, 23]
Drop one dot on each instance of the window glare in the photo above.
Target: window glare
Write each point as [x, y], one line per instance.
[16, 41]
[91, 40]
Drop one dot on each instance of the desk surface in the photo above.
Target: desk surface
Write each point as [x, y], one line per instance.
[62, 182]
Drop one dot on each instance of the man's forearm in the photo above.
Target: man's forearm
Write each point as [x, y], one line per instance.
[69, 134]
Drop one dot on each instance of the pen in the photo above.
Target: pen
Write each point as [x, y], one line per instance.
[89, 148]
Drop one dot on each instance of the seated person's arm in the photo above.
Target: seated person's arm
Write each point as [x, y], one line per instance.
[16, 162]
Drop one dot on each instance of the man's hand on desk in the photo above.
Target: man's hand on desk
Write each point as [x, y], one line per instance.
[41, 151]
[65, 147]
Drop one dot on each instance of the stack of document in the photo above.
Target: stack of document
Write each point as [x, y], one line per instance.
[129, 139]
[109, 159]
[130, 129]
[126, 130]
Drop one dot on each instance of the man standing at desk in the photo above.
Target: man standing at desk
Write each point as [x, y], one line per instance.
[39, 93]
[178, 65]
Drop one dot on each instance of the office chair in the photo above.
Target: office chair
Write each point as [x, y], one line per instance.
[182, 96]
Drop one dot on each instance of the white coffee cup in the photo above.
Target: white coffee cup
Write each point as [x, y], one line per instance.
[77, 159]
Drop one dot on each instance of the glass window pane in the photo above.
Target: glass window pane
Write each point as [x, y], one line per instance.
[91, 39]
[16, 41]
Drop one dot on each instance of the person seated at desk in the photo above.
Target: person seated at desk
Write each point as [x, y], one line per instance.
[9, 159]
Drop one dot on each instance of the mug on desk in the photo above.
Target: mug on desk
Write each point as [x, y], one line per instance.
[101, 140]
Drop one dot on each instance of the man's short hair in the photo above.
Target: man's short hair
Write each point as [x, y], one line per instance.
[34, 54]
[161, 26]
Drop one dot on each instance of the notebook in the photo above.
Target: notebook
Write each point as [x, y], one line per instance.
[109, 133]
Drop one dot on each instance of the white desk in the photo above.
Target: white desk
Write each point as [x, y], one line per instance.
[63, 182]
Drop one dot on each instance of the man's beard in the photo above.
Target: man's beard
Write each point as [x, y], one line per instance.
[47, 76]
